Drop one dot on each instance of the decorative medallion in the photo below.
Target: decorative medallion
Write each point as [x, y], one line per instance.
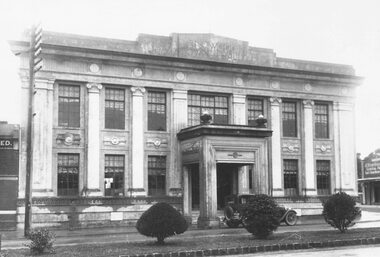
[291, 147]
[137, 72]
[94, 68]
[323, 148]
[192, 147]
[275, 85]
[239, 81]
[114, 140]
[308, 87]
[156, 142]
[235, 155]
[180, 76]
[344, 91]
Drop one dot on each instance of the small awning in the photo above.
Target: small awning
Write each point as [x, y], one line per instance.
[369, 179]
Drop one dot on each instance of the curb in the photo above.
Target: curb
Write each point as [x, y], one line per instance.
[262, 248]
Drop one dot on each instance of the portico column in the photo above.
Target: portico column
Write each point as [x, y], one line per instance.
[138, 141]
[309, 148]
[93, 132]
[207, 186]
[277, 188]
[186, 192]
[240, 118]
[179, 122]
[43, 138]
[344, 142]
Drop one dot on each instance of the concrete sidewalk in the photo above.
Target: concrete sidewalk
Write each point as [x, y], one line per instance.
[15, 239]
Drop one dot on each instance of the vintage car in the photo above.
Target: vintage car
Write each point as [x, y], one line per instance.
[233, 218]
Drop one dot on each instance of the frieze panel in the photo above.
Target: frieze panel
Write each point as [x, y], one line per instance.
[293, 147]
[323, 147]
[68, 139]
[191, 147]
[157, 143]
[114, 140]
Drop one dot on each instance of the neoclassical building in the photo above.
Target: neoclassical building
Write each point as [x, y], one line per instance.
[117, 127]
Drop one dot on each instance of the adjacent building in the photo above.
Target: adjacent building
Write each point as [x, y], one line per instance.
[117, 127]
[370, 178]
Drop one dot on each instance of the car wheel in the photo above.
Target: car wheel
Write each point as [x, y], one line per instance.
[291, 218]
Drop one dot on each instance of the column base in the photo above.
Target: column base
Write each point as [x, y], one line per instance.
[42, 193]
[310, 192]
[277, 192]
[208, 223]
[137, 192]
[93, 192]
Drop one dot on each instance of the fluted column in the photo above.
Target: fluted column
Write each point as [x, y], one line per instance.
[43, 138]
[93, 137]
[179, 122]
[138, 141]
[277, 188]
[309, 148]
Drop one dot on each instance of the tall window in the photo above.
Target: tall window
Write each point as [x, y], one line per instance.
[114, 175]
[289, 119]
[217, 107]
[156, 175]
[114, 112]
[68, 174]
[321, 120]
[323, 177]
[255, 108]
[69, 106]
[291, 177]
[157, 111]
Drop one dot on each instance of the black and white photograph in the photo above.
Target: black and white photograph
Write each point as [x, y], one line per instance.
[189, 128]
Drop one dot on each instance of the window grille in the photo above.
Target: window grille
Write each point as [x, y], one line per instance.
[114, 112]
[289, 119]
[69, 106]
[291, 177]
[114, 175]
[323, 177]
[156, 175]
[157, 111]
[68, 174]
[216, 106]
[255, 109]
[321, 114]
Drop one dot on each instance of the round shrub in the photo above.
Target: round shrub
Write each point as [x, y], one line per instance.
[161, 221]
[340, 211]
[261, 215]
[41, 240]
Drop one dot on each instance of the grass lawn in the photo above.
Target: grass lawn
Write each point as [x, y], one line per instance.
[175, 244]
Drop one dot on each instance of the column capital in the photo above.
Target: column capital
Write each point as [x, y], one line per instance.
[238, 98]
[138, 91]
[94, 87]
[43, 83]
[308, 103]
[180, 94]
[341, 106]
[275, 100]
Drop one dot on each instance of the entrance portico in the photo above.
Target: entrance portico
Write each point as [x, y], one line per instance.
[209, 145]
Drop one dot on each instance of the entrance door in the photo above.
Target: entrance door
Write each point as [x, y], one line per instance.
[226, 181]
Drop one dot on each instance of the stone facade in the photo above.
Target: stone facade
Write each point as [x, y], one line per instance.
[178, 67]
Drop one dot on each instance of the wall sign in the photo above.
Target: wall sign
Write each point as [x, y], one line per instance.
[6, 143]
[372, 165]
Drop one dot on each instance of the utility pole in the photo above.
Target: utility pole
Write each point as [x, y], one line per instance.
[35, 64]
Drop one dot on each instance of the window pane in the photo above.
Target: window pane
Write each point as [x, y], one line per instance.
[69, 106]
[291, 177]
[68, 174]
[114, 175]
[114, 112]
[323, 177]
[156, 175]
[157, 111]
[321, 121]
[217, 106]
[289, 119]
[255, 109]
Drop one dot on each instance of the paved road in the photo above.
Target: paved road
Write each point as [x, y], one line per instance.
[352, 251]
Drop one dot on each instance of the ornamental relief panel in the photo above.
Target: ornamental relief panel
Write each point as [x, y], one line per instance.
[291, 146]
[156, 143]
[324, 148]
[190, 147]
[68, 139]
[114, 140]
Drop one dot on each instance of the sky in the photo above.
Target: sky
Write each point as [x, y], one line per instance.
[337, 31]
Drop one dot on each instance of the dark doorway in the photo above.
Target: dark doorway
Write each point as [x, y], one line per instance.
[194, 169]
[226, 181]
[376, 187]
